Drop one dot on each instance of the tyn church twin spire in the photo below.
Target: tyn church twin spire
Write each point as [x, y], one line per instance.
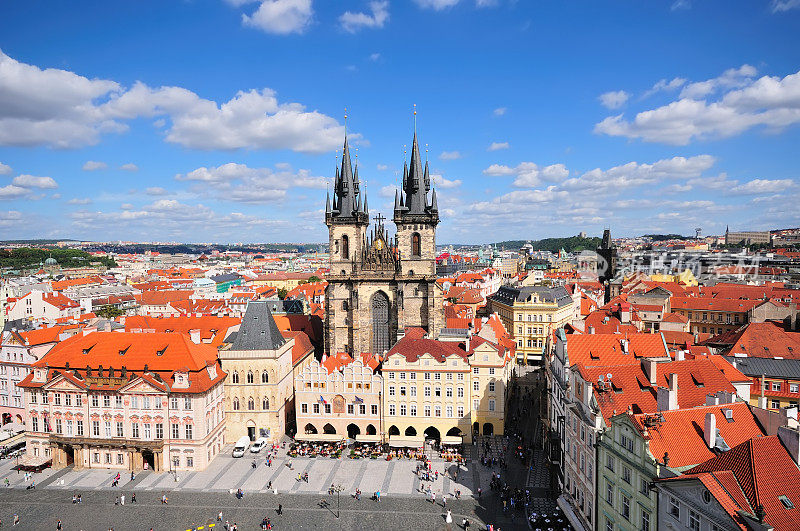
[347, 203]
[413, 198]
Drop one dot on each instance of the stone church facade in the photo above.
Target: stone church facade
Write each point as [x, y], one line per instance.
[380, 285]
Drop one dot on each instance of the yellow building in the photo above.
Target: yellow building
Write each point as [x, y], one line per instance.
[447, 389]
[685, 277]
[530, 314]
[259, 393]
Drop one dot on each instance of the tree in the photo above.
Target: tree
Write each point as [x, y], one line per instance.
[109, 312]
[314, 278]
[282, 293]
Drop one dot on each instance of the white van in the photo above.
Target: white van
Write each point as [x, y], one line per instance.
[241, 446]
[260, 443]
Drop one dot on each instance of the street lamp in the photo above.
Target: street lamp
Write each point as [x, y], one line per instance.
[338, 489]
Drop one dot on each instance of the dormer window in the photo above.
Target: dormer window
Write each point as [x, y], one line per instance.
[161, 352]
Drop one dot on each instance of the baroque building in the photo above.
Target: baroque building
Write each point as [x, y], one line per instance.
[379, 286]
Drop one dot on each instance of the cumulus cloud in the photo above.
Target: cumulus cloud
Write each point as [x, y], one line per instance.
[450, 155]
[763, 186]
[528, 174]
[746, 103]
[5, 169]
[280, 17]
[12, 191]
[636, 174]
[379, 13]
[382, 167]
[665, 86]
[441, 182]
[500, 111]
[374, 57]
[61, 109]
[614, 99]
[32, 181]
[387, 191]
[496, 146]
[239, 182]
[437, 5]
[79, 201]
[129, 167]
[779, 6]
[156, 190]
[94, 165]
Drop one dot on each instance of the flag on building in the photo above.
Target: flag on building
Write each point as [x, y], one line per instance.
[359, 400]
[322, 400]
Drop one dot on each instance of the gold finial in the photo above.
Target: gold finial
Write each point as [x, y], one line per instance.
[345, 121]
[404, 152]
[356, 156]
[415, 118]
[426, 152]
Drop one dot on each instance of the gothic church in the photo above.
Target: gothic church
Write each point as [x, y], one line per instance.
[378, 286]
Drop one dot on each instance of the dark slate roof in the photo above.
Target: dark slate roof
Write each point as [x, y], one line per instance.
[770, 367]
[258, 330]
[508, 294]
[225, 277]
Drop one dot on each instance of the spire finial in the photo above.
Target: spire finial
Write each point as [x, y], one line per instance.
[404, 152]
[356, 157]
[415, 118]
[426, 153]
[345, 121]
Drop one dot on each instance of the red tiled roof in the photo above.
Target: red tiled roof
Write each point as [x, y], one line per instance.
[593, 350]
[211, 327]
[760, 340]
[162, 298]
[51, 334]
[335, 362]
[725, 489]
[714, 304]
[673, 317]
[413, 345]
[302, 345]
[681, 433]
[60, 285]
[62, 302]
[764, 471]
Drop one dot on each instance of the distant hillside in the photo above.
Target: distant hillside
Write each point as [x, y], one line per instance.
[28, 258]
[666, 237]
[571, 244]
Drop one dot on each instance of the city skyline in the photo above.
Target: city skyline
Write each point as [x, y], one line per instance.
[220, 120]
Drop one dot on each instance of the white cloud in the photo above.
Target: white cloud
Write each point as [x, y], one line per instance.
[382, 167]
[129, 167]
[440, 182]
[496, 146]
[79, 201]
[528, 174]
[387, 191]
[665, 86]
[11, 191]
[375, 57]
[681, 4]
[450, 155]
[614, 99]
[5, 169]
[32, 181]
[778, 6]
[93, 165]
[763, 186]
[769, 101]
[437, 5]
[500, 111]
[281, 17]
[238, 182]
[486, 3]
[733, 77]
[64, 110]
[352, 22]
[632, 174]
[156, 190]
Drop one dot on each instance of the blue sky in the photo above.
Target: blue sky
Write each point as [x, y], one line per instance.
[219, 120]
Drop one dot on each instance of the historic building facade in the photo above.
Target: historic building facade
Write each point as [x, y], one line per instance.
[378, 286]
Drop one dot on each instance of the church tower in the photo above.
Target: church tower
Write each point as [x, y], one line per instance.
[377, 285]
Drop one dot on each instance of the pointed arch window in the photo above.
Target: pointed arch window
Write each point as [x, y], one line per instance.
[264, 377]
[416, 244]
[265, 404]
[345, 247]
[235, 377]
[251, 404]
[236, 404]
[249, 377]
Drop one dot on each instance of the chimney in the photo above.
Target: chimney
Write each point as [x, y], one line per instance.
[712, 400]
[667, 398]
[710, 431]
[623, 343]
[790, 438]
[195, 335]
[673, 382]
[591, 330]
[762, 399]
[679, 355]
[650, 369]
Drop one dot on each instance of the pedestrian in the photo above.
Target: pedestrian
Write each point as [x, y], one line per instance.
[122, 500]
[80, 498]
[465, 524]
[16, 519]
[133, 497]
[116, 501]
[133, 476]
[164, 499]
[58, 525]
[480, 491]
[444, 500]
[74, 499]
[433, 497]
[449, 518]
[280, 509]
[219, 517]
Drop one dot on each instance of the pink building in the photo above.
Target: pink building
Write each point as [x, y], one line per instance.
[125, 401]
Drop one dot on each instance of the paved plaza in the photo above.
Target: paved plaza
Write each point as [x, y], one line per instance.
[196, 497]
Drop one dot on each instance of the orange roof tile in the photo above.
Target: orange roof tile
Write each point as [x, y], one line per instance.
[593, 350]
[211, 327]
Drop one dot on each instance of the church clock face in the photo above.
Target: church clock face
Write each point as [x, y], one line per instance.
[378, 245]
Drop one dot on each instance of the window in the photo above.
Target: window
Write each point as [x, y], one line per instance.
[147, 432]
[188, 430]
[67, 399]
[33, 393]
[491, 387]
[107, 457]
[415, 244]
[460, 392]
[249, 377]
[626, 508]
[491, 404]
[427, 390]
[610, 463]
[609, 493]
[304, 408]
[58, 426]
[316, 408]
[189, 462]
[448, 392]
[145, 402]
[96, 457]
[786, 501]
[437, 411]
[120, 432]
[413, 390]
[609, 525]
[57, 399]
[476, 370]
[491, 371]
[106, 400]
[159, 431]
[235, 377]
[345, 247]
[626, 475]
[118, 401]
[120, 459]
[476, 403]
[437, 376]
[437, 391]
[374, 409]
[236, 403]
[476, 386]
[392, 410]
[403, 411]
[251, 404]
[626, 442]
[96, 428]
[776, 386]
[351, 410]
[362, 409]
[68, 426]
[694, 521]
[645, 522]
[413, 409]
[794, 388]
[449, 411]
[173, 402]
[427, 411]
[264, 377]
[134, 402]
[674, 508]
[461, 377]
[135, 430]
[187, 402]
[644, 487]
[79, 425]
[402, 390]
[175, 431]
[327, 409]
[775, 404]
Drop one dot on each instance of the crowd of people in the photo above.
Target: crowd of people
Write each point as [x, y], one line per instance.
[313, 449]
